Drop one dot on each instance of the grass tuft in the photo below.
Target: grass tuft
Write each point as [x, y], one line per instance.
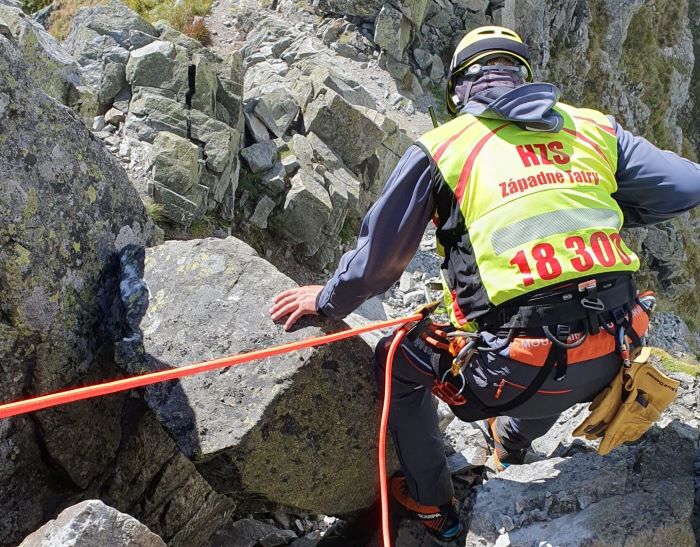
[31, 6]
[154, 210]
[179, 15]
[202, 228]
[198, 30]
[672, 364]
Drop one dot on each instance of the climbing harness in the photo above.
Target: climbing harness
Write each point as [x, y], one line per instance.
[634, 400]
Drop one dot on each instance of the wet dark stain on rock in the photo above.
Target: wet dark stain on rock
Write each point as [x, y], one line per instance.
[330, 365]
[290, 426]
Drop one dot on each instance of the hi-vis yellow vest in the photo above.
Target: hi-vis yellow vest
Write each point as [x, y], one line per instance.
[536, 208]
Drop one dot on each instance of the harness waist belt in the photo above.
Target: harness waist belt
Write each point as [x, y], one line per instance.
[569, 309]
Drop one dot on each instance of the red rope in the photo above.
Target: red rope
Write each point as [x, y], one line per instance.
[88, 392]
[384, 493]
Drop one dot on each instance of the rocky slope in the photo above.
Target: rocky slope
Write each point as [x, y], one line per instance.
[282, 452]
[71, 237]
[634, 60]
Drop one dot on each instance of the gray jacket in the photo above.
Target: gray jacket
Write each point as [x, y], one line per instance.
[653, 185]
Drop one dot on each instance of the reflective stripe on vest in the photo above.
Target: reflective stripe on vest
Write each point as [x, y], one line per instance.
[537, 206]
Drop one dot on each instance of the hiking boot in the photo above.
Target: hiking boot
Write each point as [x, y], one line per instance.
[441, 521]
[502, 458]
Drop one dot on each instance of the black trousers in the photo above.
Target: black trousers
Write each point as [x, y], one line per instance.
[494, 378]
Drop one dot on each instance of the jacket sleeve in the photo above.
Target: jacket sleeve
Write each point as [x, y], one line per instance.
[389, 237]
[653, 185]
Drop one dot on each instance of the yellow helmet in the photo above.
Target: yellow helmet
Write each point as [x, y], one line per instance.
[480, 44]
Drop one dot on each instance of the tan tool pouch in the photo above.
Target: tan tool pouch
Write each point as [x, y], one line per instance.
[627, 408]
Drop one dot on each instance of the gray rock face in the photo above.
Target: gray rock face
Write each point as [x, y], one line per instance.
[630, 497]
[48, 63]
[152, 480]
[260, 156]
[316, 406]
[249, 532]
[257, 129]
[392, 31]
[164, 81]
[100, 40]
[343, 145]
[175, 162]
[220, 141]
[114, 20]
[338, 123]
[307, 207]
[669, 332]
[93, 523]
[160, 64]
[277, 110]
[66, 210]
[151, 113]
[52, 267]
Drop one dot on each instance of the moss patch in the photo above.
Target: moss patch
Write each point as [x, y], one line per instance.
[596, 80]
[690, 122]
[179, 15]
[656, 25]
[689, 304]
[671, 364]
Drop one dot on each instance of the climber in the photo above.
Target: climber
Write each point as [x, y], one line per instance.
[528, 195]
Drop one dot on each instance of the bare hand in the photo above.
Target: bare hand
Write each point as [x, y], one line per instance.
[295, 303]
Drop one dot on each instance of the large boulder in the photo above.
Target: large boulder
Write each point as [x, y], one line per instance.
[67, 213]
[344, 127]
[630, 497]
[229, 94]
[161, 65]
[205, 85]
[151, 480]
[48, 63]
[66, 209]
[93, 523]
[277, 110]
[113, 19]
[307, 207]
[151, 112]
[220, 141]
[392, 31]
[416, 10]
[102, 62]
[298, 429]
[320, 75]
[100, 40]
[175, 162]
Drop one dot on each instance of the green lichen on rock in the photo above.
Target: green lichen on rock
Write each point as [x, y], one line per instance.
[688, 303]
[656, 26]
[594, 87]
[691, 127]
[55, 249]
